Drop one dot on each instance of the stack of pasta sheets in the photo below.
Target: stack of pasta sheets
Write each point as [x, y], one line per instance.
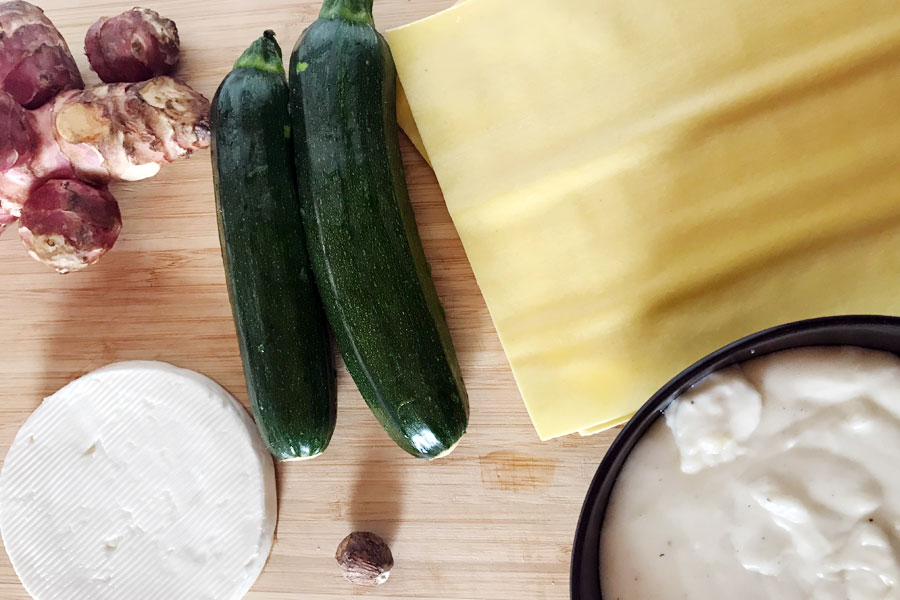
[638, 182]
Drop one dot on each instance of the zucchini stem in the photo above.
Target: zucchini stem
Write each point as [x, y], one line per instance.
[358, 11]
[263, 54]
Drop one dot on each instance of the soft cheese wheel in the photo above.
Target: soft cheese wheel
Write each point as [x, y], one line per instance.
[139, 481]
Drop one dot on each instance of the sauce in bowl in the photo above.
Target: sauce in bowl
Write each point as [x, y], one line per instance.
[776, 478]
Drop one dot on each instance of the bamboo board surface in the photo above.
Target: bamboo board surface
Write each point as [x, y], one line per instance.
[493, 521]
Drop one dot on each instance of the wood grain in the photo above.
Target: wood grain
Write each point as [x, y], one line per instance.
[493, 521]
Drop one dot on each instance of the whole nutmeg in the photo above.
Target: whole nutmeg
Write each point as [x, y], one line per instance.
[364, 558]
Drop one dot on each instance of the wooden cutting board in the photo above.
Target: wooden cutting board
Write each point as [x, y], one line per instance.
[493, 521]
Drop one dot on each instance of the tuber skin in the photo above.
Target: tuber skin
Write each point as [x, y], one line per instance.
[19, 143]
[69, 225]
[364, 558]
[6, 219]
[35, 62]
[127, 131]
[41, 162]
[120, 132]
[18, 140]
[134, 46]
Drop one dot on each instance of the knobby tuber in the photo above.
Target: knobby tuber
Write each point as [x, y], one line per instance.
[18, 140]
[127, 131]
[133, 46]
[118, 132]
[29, 153]
[61, 144]
[18, 145]
[35, 62]
[69, 225]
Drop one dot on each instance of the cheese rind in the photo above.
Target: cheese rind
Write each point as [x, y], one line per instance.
[139, 480]
[637, 183]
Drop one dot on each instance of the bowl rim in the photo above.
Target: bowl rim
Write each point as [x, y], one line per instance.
[751, 346]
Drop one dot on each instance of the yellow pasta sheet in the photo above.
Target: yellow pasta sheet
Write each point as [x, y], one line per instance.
[408, 124]
[637, 182]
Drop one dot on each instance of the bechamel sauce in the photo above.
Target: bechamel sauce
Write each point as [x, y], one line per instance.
[776, 479]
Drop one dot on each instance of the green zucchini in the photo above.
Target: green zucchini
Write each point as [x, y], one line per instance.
[281, 326]
[361, 231]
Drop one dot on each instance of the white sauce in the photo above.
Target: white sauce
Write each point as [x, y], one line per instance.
[779, 478]
[139, 481]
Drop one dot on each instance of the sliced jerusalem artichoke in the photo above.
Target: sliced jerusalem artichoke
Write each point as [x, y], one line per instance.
[127, 131]
[35, 62]
[69, 225]
[133, 46]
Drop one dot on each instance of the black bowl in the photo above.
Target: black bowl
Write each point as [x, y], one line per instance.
[866, 331]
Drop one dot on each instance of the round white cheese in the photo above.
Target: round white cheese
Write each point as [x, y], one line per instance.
[139, 481]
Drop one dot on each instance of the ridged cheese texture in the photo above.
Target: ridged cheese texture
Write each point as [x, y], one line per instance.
[638, 182]
[138, 481]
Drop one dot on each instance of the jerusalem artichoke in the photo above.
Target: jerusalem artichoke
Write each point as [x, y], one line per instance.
[133, 46]
[35, 62]
[61, 144]
[127, 131]
[119, 132]
[19, 142]
[69, 225]
[17, 136]
[6, 220]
